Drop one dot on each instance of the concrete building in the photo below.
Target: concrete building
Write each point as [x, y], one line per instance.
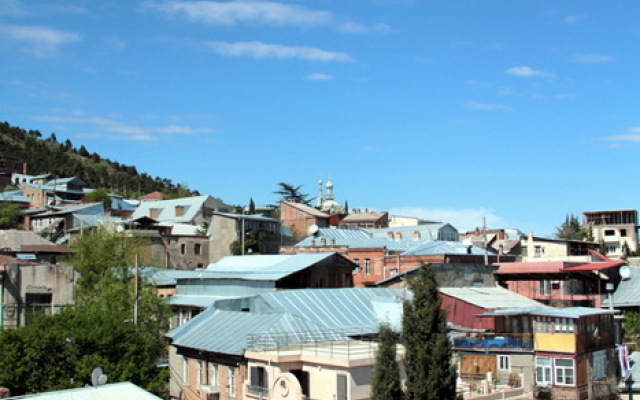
[259, 233]
[616, 228]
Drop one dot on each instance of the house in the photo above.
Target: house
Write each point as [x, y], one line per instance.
[120, 391]
[15, 197]
[245, 276]
[57, 222]
[31, 287]
[186, 210]
[55, 191]
[9, 164]
[534, 248]
[562, 283]
[261, 234]
[224, 352]
[618, 229]
[367, 219]
[500, 241]
[26, 245]
[383, 253]
[301, 218]
[568, 353]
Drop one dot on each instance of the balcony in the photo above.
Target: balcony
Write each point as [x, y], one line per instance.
[495, 342]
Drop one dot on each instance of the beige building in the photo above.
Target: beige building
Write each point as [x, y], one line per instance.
[616, 228]
[534, 248]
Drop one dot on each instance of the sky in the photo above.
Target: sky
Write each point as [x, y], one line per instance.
[518, 111]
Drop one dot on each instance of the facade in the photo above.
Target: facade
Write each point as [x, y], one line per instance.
[546, 249]
[566, 352]
[262, 234]
[55, 191]
[10, 164]
[28, 288]
[616, 228]
[562, 283]
[26, 245]
[222, 352]
[367, 219]
[301, 218]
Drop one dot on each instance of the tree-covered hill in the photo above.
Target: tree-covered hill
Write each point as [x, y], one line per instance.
[47, 155]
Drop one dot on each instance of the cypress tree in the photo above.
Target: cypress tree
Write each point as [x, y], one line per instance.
[430, 374]
[385, 382]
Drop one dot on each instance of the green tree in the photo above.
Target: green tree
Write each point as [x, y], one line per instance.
[101, 330]
[10, 216]
[385, 382]
[572, 229]
[430, 373]
[292, 193]
[100, 195]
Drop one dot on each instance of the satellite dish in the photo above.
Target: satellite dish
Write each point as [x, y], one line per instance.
[98, 377]
[313, 229]
[625, 272]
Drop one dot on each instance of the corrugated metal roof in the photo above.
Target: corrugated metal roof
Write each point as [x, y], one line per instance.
[566, 312]
[261, 267]
[255, 217]
[166, 277]
[15, 240]
[489, 297]
[192, 300]
[167, 208]
[306, 209]
[627, 293]
[228, 332]
[433, 247]
[430, 229]
[86, 209]
[335, 308]
[120, 391]
[15, 196]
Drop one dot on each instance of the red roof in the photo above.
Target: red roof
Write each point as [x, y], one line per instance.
[38, 248]
[547, 267]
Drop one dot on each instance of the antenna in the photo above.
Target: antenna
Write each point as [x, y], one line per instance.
[98, 377]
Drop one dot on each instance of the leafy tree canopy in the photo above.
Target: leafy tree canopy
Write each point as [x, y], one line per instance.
[290, 192]
[10, 216]
[100, 195]
[572, 229]
[60, 351]
[385, 381]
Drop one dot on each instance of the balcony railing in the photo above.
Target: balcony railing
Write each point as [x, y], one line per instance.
[498, 341]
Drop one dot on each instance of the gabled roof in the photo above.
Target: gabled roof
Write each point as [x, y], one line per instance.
[28, 242]
[14, 196]
[229, 332]
[306, 209]
[262, 267]
[167, 208]
[87, 209]
[120, 391]
[489, 298]
[63, 181]
[364, 217]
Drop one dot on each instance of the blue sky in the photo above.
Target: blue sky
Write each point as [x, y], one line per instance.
[520, 111]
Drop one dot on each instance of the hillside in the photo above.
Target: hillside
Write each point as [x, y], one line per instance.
[64, 160]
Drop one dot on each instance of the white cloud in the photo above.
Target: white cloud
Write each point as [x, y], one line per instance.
[265, 50]
[357, 28]
[319, 77]
[463, 219]
[593, 58]
[574, 19]
[234, 12]
[476, 105]
[633, 136]
[122, 131]
[524, 71]
[11, 7]
[39, 40]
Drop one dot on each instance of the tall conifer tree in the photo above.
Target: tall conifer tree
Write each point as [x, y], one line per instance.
[385, 382]
[430, 374]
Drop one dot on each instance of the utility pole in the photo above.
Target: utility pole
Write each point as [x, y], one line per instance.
[135, 294]
[484, 240]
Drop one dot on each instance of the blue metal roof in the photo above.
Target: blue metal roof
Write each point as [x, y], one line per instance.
[15, 196]
[167, 208]
[627, 293]
[433, 247]
[261, 267]
[566, 312]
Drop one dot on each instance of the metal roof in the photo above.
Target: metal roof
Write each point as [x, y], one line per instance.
[166, 208]
[489, 297]
[433, 247]
[261, 267]
[229, 331]
[120, 391]
[429, 228]
[17, 240]
[15, 196]
[627, 293]
[566, 312]
[193, 300]
[89, 208]
[254, 217]
[306, 209]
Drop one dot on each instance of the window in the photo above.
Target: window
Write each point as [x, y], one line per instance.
[201, 369]
[185, 371]
[367, 266]
[612, 248]
[564, 371]
[598, 365]
[258, 380]
[545, 288]
[609, 232]
[543, 371]
[183, 248]
[539, 251]
[356, 261]
[231, 381]
[197, 249]
[214, 374]
[179, 211]
[503, 363]
[623, 232]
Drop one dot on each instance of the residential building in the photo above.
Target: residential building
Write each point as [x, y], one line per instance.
[31, 287]
[26, 245]
[9, 164]
[365, 219]
[261, 233]
[616, 228]
[209, 356]
[186, 210]
[301, 218]
[534, 248]
[56, 222]
[15, 197]
[569, 352]
[56, 191]
[562, 283]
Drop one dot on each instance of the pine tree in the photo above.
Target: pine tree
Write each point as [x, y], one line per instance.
[430, 374]
[385, 383]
